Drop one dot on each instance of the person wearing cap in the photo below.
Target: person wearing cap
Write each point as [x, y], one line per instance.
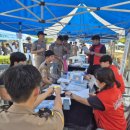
[58, 48]
[96, 51]
[28, 46]
[44, 69]
[75, 49]
[39, 48]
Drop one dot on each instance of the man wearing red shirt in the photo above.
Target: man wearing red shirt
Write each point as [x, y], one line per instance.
[106, 61]
[96, 51]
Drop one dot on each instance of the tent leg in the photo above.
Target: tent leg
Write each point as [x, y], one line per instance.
[20, 38]
[127, 45]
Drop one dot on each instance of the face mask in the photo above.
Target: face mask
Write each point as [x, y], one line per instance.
[96, 83]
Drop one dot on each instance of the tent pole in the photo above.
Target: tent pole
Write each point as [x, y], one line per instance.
[36, 1]
[127, 45]
[9, 26]
[70, 6]
[42, 11]
[19, 17]
[118, 4]
[66, 16]
[52, 14]
[20, 38]
[117, 10]
[15, 10]
[28, 9]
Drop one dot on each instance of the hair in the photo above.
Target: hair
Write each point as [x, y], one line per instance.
[16, 57]
[28, 38]
[107, 76]
[49, 53]
[66, 37]
[106, 58]
[20, 81]
[60, 37]
[96, 37]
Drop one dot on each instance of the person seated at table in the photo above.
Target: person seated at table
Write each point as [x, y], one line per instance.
[107, 103]
[44, 69]
[106, 61]
[16, 58]
[22, 83]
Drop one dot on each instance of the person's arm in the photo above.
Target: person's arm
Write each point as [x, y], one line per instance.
[4, 94]
[92, 101]
[58, 117]
[58, 58]
[44, 76]
[102, 52]
[43, 96]
[57, 101]
[78, 98]
[40, 50]
[47, 81]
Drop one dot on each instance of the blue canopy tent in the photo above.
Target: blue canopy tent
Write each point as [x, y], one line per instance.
[86, 25]
[114, 11]
[34, 15]
[30, 16]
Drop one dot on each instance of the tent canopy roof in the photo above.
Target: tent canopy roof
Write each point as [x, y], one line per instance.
[35, 15]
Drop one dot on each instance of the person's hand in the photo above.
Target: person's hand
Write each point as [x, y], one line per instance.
[68, 93]
[92, 94]
[88, 76]
[57, 90]
[50, 91]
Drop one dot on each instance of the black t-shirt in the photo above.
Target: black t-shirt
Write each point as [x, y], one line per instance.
[95, 102]
[102, 50]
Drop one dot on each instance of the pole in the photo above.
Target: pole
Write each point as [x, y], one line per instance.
[127, 45]
[20, 38]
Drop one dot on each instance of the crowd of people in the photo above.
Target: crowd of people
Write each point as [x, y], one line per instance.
[22, 85]
[7, 48]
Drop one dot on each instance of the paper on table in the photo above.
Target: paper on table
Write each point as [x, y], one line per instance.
[62, 80]
[83, 93]
[45, 104]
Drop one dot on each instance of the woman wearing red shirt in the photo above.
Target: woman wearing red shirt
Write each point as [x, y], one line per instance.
[106, 61]
[107, 103]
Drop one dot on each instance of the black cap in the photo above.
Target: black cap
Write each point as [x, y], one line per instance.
[49, 53]
[60, 37]
[96, 37]
[28, 38]
[66, 37]
[41, 33]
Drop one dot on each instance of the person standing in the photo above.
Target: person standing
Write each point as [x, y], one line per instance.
[96, 51]
[75, 49]
[39, 48]
[28, 46]
[58, 48]
[67, 52]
